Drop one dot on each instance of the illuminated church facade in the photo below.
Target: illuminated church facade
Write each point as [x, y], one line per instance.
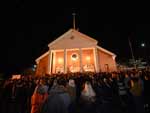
[75, 52]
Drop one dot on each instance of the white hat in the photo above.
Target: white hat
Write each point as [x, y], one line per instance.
[71, 83]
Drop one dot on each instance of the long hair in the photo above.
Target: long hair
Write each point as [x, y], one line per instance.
[88, 90]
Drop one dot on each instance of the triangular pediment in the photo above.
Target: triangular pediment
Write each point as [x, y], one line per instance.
[73, 39]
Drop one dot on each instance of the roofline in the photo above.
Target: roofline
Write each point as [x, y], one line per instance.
[90, 38]
[106, 51]
[71, 30]
[51, 43]
[42, 56]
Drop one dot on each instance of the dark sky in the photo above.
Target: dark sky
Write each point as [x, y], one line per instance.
[27, 36]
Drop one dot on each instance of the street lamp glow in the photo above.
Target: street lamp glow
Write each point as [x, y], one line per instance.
[143, 45]
[34, 66]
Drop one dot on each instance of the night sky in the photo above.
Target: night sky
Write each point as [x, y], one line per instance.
[27, 36]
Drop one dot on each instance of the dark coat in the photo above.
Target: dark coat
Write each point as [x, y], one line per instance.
[58, 101]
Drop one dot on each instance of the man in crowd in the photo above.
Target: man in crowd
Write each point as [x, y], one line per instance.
[58, 100]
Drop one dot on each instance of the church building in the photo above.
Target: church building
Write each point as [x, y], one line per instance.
[75, 52]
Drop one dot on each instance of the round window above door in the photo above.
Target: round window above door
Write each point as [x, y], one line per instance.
[74, 56]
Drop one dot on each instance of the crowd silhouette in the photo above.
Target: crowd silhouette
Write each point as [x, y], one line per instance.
[104, 92]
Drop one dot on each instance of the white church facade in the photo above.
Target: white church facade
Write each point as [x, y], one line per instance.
[75, 52]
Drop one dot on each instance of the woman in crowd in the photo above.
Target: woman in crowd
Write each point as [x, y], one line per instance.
[71, 89]
[136, 91]
[122, 91]
[88, 98]
[39, 96]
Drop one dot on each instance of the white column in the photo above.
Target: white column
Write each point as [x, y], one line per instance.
[80, 55]
[54, 62]
[49, 61]
[96, 60]
[65, 61]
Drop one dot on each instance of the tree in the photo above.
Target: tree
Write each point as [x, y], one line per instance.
[29, 71]
[1, 76]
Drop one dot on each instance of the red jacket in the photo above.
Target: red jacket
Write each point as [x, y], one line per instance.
[37, 101]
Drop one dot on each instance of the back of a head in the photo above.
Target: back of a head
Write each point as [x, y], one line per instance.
[62, 81]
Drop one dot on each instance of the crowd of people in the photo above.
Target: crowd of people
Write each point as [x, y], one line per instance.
[104, 92]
